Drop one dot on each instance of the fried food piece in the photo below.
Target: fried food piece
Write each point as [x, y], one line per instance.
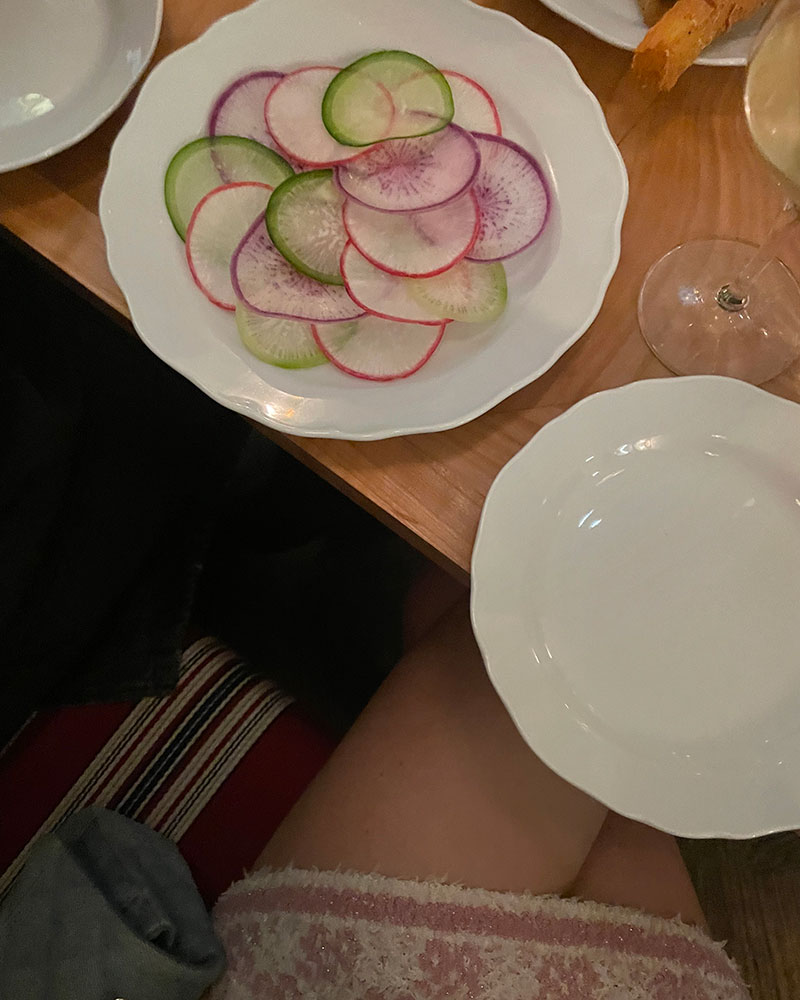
[653, 10]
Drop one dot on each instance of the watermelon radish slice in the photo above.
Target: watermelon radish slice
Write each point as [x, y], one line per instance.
[304, 221]
[513, 199]
[239, 109]
[268, 284]
[471, 292]
[286, 343]
[383, 294]
[408, 175]
[413, 244]
[420, 96]
[379, 349]
[295, 121]
[474, 108]
[210, 162]
[215, 231]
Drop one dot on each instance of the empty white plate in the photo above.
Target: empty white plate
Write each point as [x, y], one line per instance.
[636, 586]
[65, 65]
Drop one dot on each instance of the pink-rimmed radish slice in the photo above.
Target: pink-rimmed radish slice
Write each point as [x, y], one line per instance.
[410, 175]
[215, 230]
[294, 117]
[380, 293]
[379, 350]
[471, 292]
[414, 244]
[268, 284]
[239, 109]
[513, 199]
[474, 108]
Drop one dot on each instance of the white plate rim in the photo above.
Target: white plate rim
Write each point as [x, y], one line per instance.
[728, 820]
[9, 163]
[271, 413]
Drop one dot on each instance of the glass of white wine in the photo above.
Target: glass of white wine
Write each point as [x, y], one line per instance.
[726, 307]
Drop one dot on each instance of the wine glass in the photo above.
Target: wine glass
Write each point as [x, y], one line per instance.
[726, 307]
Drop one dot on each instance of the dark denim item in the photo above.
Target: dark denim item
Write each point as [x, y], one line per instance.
[106, 908]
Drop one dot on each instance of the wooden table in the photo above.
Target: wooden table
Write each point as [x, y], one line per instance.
[693, 172]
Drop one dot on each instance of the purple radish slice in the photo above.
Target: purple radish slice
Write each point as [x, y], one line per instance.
[214, 233]
[380, 293]
[475, 109]
[379, 350]
[414, 244]
[513, 199]
[410, 175]
[239, 109]
[268, 284]
[294, 117]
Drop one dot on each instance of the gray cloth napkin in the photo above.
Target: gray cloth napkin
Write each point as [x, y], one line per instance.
[106, 908]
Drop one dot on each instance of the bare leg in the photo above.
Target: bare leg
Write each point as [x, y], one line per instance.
[435, 781]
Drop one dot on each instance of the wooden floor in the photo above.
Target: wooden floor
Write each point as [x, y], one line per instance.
[750, 891]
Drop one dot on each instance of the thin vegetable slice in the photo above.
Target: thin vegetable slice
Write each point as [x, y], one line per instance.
[379, 349]
[471, 292]
[383, 294]
[294, 118]
[286, 343]
[410, 175]
[413, 244]
[239, 109]
[304, 221]
[513, 199]
[474, 108]
[268, 284]
[209, 162]
[215, 231]
[420, 97]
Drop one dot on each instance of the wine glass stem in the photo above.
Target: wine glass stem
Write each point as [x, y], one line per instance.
[735, 295]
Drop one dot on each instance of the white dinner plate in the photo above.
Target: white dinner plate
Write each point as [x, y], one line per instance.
[620, 23]
[64, 67]
[636, 585]
[555, 290]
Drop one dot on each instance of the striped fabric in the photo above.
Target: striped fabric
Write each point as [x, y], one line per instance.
[167, 757]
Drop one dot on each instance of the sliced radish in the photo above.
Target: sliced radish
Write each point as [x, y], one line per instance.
[513, 199]
[304, 221]
[381, 293]
[207, 163]
[286, 343]
[266, 282]
[408, 175]
[239, 109]
[413, 244]
[294, 118]
[474, 108]
[471, 292]
[421, 101]
[379, 349]
[214, 233]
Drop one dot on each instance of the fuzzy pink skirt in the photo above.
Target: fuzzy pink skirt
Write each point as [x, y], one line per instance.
[315, 935]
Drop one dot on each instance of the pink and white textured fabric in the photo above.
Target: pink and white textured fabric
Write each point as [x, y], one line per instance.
[317, 935]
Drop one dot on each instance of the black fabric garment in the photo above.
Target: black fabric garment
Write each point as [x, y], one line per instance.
[111, 466]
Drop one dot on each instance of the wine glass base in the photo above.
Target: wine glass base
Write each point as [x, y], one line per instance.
[688, 330]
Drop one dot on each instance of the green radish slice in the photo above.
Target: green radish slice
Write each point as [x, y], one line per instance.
[475, 109]
[292, 112]
[304, 221]
[268, 284]
[410, 175]
[286, 343]
[413, 244]
[211, 161]
[382, 294]
[379, 350]
[471, 292]
[420, 95]
[214, 232]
